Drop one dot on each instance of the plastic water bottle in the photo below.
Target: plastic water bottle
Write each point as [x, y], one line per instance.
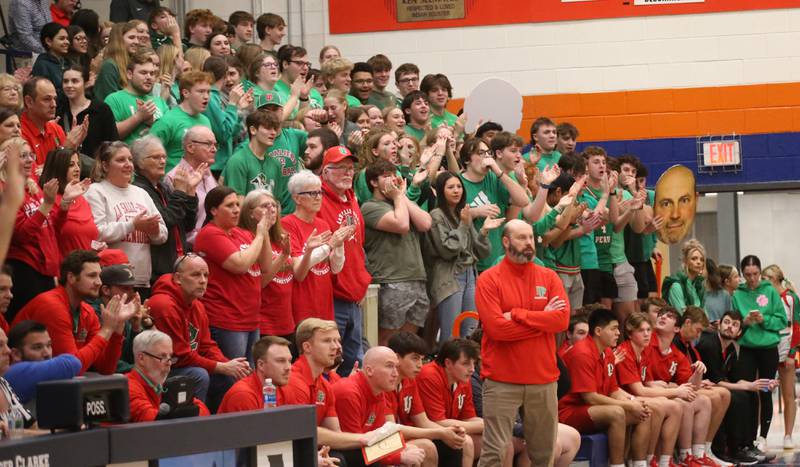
[15, 424]
[270, 394]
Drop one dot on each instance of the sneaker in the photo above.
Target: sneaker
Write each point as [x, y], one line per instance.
[717, 460]
[741, 457]
[761, 444]
[691, 461]
[760, 455]
[707, 461]
[787, 442]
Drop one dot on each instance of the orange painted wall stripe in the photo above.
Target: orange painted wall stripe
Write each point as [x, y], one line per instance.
[669, 113]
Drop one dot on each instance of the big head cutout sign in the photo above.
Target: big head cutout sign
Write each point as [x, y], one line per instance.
[676, 203]
[494, 100]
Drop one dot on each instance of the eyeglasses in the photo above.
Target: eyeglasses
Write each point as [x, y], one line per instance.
[81, 38]
[484, 152]
[346, 169]
[157, 157]
[208, 144]
[269, 65]
[315, 194]
[409, 80]
[362, 81]
[182, 259]
[170, 360]
[300, 63]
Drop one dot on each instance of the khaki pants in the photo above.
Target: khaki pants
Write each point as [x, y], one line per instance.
[501, 403]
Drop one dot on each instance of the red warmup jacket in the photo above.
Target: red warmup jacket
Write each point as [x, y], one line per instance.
[51, 308]
[144, 402]
[351, 283]
[34, 239]
[521, 350]
[187, 325]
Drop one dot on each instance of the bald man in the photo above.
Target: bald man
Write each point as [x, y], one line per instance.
[522, 306]
[676, 203]
[361, 407]
[199, 147]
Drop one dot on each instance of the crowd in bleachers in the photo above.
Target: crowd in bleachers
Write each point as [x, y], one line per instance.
[183, 199]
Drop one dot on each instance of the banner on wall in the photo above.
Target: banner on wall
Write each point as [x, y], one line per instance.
[354, 16]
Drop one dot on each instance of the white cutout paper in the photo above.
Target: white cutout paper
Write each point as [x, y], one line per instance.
[495, 100]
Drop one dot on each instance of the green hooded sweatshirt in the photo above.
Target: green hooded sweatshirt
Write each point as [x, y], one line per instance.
[766, 300]
[680, 292]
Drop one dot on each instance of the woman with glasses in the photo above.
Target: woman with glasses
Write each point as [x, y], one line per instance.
[10, 93]
[276, 296]
[177, 206]
[53, 62]
[77, 107]
[236, 258]
[312, 296]
[78, 53]
[33, 253]
[125, 215]
[263, 74]
[76, 228]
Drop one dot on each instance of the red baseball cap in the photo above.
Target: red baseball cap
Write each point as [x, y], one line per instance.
[337, 154]
[110, 257]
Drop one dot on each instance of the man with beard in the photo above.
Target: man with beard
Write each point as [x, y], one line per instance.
[72, 322]
[522, 306]
[340, 209]
[195, 89]
[720, 354]
[135, 109]
[318, 142]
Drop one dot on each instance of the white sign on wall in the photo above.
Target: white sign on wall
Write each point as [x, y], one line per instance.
[721, 153]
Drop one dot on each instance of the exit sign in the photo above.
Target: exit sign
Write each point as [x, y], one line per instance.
[721, 153]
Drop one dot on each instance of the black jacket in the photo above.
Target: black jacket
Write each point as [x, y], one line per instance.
[102, 126]
[179, 212]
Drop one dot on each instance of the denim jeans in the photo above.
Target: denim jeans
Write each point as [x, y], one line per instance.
[452, 306]
[351, 325]
[200, 377]
[233, 344]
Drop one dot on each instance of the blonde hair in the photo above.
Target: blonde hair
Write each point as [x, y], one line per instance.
[308, 327]
[9, 80]
[774, 273]
[333, 66]
[246, 220]
[196, 56]
[30, 185]
[167, 54]
[691, 245]
[371, 140]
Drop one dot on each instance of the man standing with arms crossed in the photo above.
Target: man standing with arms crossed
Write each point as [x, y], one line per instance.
[522, 306]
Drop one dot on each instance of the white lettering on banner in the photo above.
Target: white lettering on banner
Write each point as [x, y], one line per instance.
[36, 460]
[664, 2]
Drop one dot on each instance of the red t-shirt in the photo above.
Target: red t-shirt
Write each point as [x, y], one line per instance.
[232, 301]
[564, 348]
[76, 335]
[672, 367]
[441, 399]
[589, 371]
[305, 390]
[313, 297]
[76, 229]
[359, 409]
[351, 283]
[404, 402]
[633, 368]
[34, 239]
[246, 394]
[276, 300]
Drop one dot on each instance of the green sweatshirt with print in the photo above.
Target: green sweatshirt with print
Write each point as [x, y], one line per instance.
[766, 300]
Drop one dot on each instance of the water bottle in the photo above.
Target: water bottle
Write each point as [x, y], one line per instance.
[270, 394]
[16, 424]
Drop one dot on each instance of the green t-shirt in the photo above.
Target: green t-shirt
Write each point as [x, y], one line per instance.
[391, 257]
[446, 118]
[245, 172]
[541, 227]
[352, 101]
[381, 99]
[617, 248]
[415, 133]
[123, 106]
[170, 129]
[287, 151]
[285, 90]
[587, 244]
[490, 190]
[649, 240]
[545, 161]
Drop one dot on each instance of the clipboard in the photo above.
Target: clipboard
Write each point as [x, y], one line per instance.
[392, 444]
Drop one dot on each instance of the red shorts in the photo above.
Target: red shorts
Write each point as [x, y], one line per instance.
[577, 416]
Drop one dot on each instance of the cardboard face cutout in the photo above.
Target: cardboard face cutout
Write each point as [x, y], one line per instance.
[676, 203]
[494, 100]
